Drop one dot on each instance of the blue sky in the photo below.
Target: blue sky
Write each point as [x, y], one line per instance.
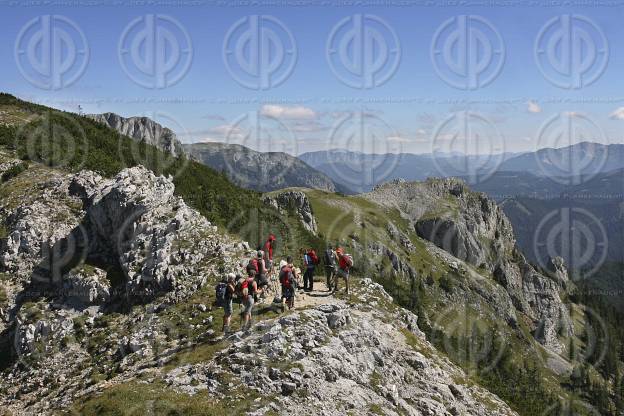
[312, 109]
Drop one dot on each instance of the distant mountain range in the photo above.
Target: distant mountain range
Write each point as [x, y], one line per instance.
[260, 171]
[569, 165]
[579, 160]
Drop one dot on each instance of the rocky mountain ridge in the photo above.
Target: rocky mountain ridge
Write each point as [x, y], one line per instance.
[142, 129]
[473, 229]
[107, 281]
[260, 171]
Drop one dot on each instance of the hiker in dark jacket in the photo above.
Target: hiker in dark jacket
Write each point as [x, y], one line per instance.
[227, 303]
[287, 281]
[330, 266]
[309, 265]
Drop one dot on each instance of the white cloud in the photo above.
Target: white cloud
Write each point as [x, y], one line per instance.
[618, 114]
[533, 107]
[292, 113]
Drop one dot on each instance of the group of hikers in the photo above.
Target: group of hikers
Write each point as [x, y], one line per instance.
[258, 277]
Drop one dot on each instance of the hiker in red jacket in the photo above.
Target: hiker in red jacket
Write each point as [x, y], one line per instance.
[345, 262]
[268, 253]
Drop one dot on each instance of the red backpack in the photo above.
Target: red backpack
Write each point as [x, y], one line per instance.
[253, 265]
[314, 257]
[286, 277]
[246, 287]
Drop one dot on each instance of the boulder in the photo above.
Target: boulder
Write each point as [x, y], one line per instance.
[87, 286]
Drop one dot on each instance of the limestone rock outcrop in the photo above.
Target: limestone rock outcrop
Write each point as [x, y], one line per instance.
[298, 202]
[142, 129]
[473, 229]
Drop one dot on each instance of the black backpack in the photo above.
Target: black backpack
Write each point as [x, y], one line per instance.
[221, 293]
[330, 259]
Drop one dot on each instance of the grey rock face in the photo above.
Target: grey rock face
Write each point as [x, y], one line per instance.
[134, 221]
[297, 201]
[46, 215]
[444, 211]
[142, 129]
[159, 242]
[537, 296]
[473, 229]
[453, 237]
[559, 270]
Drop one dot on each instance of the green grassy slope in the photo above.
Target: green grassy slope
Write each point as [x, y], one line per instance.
[455, 317]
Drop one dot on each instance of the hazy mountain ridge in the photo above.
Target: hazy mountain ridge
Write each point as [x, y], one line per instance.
[585, 158]
[571, 164]
[507, 184]
[361, 171]
[259, 171]
[594, 221]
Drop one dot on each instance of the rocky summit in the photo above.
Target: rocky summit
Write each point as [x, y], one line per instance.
[142, 129]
